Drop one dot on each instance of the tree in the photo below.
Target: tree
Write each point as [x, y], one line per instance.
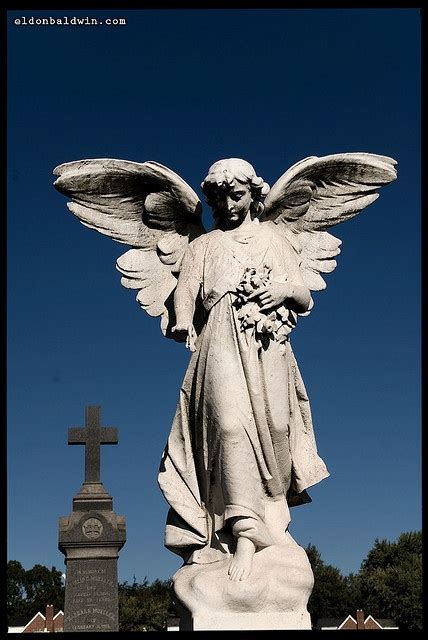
[16, 593]
[391, 580]
[353, 586]
[29, 591]
[388, 585]
[44, 586]
[144, 606]
[330, 596]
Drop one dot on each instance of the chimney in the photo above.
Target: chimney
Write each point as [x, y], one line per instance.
[360, 620]
[49, 622]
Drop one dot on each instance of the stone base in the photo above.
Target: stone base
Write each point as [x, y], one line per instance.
[274, 596]
[246, 621]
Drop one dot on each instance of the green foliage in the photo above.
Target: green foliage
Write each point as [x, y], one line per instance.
[353, 587]
[388, 585]
[144, 607]
[15, 592]
[30, 591]
[44, 586]
[330, 596]
[391, 580]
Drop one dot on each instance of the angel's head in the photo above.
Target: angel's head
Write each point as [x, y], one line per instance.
[233, 190]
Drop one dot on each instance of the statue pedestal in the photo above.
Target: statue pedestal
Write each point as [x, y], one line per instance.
[246, 621]
[274, 596]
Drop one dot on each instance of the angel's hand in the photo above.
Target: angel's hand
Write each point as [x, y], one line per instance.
[272, 295]
[185, 332]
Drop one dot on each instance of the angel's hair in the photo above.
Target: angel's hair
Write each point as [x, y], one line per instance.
[224, 173]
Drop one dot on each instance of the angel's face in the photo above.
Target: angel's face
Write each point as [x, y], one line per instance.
[232, 204]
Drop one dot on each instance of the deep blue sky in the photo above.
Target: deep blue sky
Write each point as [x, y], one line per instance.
[186, 88]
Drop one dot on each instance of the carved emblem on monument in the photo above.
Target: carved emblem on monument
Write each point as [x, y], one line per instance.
[92, 528]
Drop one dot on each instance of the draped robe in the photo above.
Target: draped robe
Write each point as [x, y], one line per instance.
[242, 434]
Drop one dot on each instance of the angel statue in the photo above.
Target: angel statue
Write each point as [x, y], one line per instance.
[241, 450]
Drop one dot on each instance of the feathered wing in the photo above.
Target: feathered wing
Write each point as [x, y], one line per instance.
[317, 193]
[144, 205]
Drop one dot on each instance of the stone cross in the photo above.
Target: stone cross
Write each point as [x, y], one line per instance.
[92, 435]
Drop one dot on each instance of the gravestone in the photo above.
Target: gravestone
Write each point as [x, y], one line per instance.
[91, 537]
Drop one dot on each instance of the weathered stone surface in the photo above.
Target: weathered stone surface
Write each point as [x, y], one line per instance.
[247, 621]
[274, 597]
[242, 447]
[91, 595]
[90, 538]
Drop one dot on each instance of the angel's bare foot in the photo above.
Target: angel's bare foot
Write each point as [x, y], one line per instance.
[240, 567]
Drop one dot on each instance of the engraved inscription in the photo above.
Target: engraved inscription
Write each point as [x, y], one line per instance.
[91, 596]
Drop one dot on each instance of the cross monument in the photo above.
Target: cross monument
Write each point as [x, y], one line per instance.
[91, 537]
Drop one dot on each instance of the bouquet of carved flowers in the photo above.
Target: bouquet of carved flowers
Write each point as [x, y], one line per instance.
[265, 325]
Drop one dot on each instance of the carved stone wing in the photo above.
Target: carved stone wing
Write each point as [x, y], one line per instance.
[144, 205]
[317, 193]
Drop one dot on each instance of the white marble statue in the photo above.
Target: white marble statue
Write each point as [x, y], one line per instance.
[241, 448]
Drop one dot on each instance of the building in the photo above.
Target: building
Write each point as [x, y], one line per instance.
[48, 623]
[173, 623]
[359, 623]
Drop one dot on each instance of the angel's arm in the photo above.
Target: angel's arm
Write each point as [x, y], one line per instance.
[186, 293]
[297, 294]
[297, 297]
[188, 286]
[288, 288]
